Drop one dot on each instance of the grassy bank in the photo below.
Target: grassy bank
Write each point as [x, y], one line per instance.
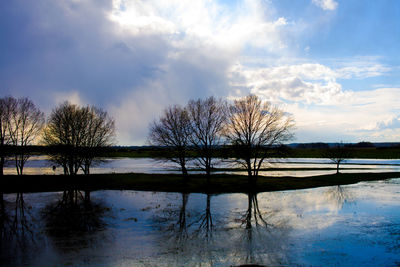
[220, 183]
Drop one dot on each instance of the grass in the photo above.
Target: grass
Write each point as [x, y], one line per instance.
[219, 183]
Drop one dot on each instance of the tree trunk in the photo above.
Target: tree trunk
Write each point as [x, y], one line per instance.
[337, 167]
[2, 162]
[21, 169]
[184, 172]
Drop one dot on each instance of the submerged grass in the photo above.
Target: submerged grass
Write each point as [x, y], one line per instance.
[219, 183]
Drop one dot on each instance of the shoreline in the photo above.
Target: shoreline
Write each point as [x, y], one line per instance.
[196, 183]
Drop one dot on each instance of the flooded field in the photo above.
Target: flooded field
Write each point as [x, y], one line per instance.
[309, 167]
[355, 225]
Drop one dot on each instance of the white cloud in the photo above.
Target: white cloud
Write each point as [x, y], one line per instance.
[309, 83]
[362, 69]
[306, 83]
[326, 4]
[392, 122]
[323, 111]
[366, 115]
[187, 22]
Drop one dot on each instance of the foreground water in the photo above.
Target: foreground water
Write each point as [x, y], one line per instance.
[355, 225]
[310, 166]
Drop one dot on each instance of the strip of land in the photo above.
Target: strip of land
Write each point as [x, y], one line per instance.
[218, 184]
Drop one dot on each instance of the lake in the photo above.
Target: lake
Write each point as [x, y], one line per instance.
[352, 225]
[316, 166]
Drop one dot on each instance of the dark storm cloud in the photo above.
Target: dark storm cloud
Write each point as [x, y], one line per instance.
[53, 48]
[59, 45]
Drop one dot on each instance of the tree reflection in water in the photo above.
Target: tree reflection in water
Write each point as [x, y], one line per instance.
[338, 196]
[186, 235]
[75, 219]
[19, 230]
[206, 222]
[182, 226]
[257, 241]
[173, 222]
[198, 237]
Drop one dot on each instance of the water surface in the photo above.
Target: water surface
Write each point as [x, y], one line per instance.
[340, 225]
[316, 166]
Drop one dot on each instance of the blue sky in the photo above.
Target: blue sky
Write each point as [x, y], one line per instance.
[334, 65]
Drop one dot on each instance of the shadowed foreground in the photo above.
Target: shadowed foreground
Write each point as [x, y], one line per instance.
[220, 183]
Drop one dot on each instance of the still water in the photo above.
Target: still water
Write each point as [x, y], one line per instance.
[310, 166]
[353, 225]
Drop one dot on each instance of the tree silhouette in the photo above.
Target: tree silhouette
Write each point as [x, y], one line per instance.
[207, 118]
[7, 108]
[172, 130]
[26, 123]
[253, 129]
[99, 132]
[78, 133]
[338, 154]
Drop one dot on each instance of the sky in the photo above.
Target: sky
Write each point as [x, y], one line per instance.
[333, 65]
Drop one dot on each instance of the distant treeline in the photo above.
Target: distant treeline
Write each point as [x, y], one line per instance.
[349, 145]
[306, 150]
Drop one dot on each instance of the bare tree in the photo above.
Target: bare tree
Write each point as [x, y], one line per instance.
[253, 129]
[207, 119]
[24, 128]
[7, 107]
[99, 132]
[338, 154]
[79, 132]
[64, 130]
[172, 131]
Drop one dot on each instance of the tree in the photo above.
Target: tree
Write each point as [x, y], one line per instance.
[338, 154]
[99, 132]
[79, 132]
[7, 107]
[172, 130]
[253, 129]
[25, 126]
[65, 129]
[207, 118]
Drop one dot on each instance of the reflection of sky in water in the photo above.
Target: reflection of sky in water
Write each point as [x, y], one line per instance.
[339, 225]
[40, 165]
